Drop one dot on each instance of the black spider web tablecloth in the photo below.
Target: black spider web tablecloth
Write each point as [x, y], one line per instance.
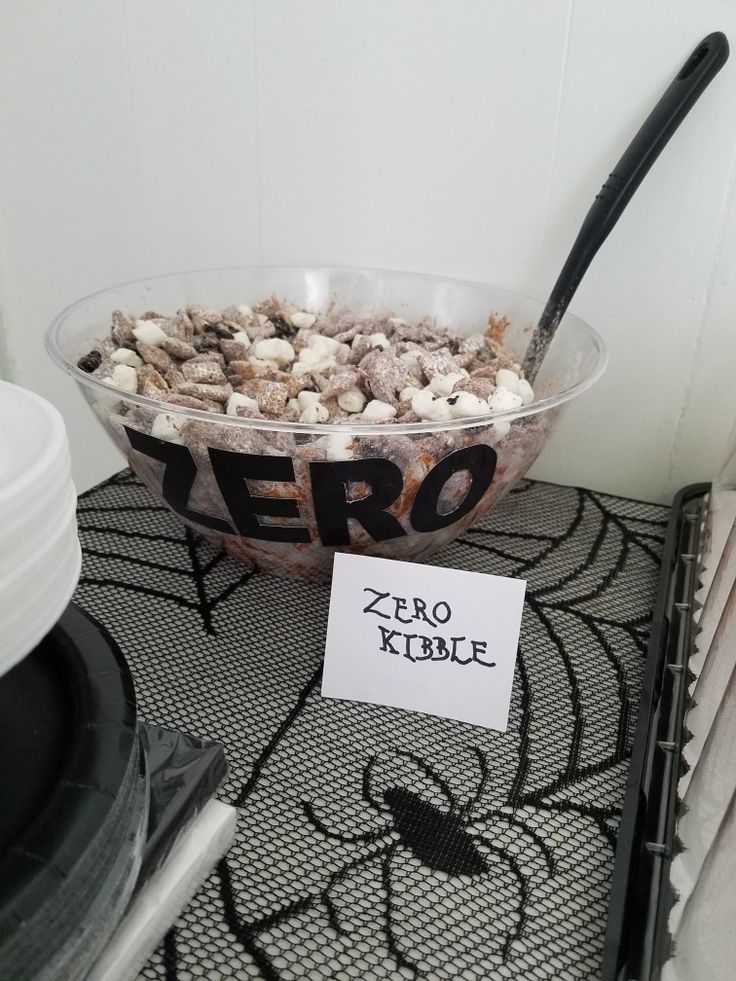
[372, 842]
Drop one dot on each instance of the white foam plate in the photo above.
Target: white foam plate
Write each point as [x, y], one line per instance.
[34, 450]
[40, 556]
[36, 606]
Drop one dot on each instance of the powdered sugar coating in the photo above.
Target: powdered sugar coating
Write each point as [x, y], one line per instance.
[272, 351]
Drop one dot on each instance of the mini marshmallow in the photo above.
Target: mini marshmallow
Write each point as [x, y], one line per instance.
[300, 320]
[299, 368]
[440, 409]
[237, 400]
[274, 349]
[310, 356]
[124, 376]
[525, 390]
[149, 332]
[501, 428]
[444, 384]
[315, 358]
[327, 345]
[305, 399]
[168, 427]
[352, 400]
[337, 446]
[378, 411]
[125, 356]
[242, 338]
[422, 403]
[316, 412]
[502, 400]
[293, 406]
[379, 340]
[245, 311]
[506, 378]
[466, 404]
[408, 393]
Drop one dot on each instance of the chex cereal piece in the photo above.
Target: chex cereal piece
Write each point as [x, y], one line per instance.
[436, 363]
[272, 397]
[122, 329]
[216, 407]
[178, 326]
[174, 377]
[236, 348]
[155, 356]
[201, 317]
[342, 381]
[152, 385]
[483, 387]
[179, 348]
[385, 374]
[215, 356]
[203, 372]
[185, 401]
[209, 393]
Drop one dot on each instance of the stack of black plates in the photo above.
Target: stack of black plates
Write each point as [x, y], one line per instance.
[73, 802]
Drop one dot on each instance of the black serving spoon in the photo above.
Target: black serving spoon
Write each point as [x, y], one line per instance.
[694, 77]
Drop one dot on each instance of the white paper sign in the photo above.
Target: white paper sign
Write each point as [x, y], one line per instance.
[418, 637]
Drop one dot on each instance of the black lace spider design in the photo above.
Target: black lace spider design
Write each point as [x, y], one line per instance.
[441, 838]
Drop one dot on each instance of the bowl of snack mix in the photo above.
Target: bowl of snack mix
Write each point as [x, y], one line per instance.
[287, 413]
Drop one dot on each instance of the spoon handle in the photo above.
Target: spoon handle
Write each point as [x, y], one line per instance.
[693, 78]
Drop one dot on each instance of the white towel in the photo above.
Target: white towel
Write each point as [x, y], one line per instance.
[705, 941]
[719, 524]
[709, 793]
[708, 689]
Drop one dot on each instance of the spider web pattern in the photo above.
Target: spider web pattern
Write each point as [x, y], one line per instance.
[372, 842]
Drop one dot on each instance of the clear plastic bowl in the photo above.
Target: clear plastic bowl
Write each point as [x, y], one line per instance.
[276, 494]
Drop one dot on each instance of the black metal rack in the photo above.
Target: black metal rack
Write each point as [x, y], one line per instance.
[637, 940]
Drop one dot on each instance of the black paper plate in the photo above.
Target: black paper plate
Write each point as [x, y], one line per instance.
[72, 796]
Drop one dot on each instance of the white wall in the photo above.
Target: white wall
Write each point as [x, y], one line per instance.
[464, 137]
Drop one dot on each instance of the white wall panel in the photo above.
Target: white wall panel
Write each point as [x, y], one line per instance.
[68, 194]
[192, 81]
[410, 135]
[648, 289]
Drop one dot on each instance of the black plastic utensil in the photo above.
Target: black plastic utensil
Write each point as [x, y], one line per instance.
[693, 78]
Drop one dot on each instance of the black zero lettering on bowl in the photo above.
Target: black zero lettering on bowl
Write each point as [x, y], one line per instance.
[180, 471]
[232, 470]
[479, 461]
[333, 507]
[330, 491]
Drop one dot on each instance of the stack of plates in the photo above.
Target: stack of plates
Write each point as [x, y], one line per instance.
[74, 797]
[40, 556]
[75, 786]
